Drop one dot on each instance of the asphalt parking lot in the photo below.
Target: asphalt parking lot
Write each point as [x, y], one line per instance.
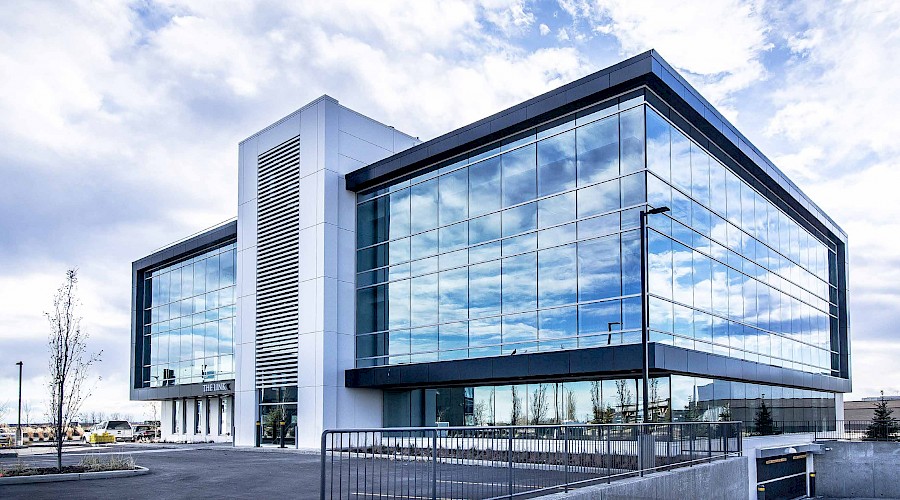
[183, 471]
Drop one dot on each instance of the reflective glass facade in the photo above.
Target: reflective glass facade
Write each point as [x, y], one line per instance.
[729, 272]
[531, 244]
[527, 245]
[188, 319]
[676, 398]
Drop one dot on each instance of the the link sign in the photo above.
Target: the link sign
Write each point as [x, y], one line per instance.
[216, 387]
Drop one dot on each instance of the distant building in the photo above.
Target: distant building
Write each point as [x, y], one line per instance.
[865, 409]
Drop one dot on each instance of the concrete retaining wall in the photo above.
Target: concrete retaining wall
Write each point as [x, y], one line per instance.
[719, 480]
[858, 470]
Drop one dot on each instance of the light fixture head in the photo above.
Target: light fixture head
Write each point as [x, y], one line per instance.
[657, 210]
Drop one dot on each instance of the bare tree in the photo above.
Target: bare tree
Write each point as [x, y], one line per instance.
[623, 394]
[571, 405]
[516, 414]
[26, 411]
[70, 362]
[539, 404]
[596, 403]
[4, 409]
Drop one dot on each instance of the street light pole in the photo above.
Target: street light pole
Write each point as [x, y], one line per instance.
[645, 310]
[19, 427]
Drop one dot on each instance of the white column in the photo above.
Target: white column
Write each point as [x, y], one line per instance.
[333, 142]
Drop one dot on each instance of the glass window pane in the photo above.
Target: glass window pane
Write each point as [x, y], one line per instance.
[454, 237]
[599, 274]
[454, 192]
[598, 226]
[519, 283]
[556, 163]
[556, 210]
[599, 318]
[398, 304]
[520, 333]
[424, 244]
[558, 328]
[658, 145]
[681, 161]
[700, 175]
[598, 151]
[557, 281]
[633, 190]
[484, 228]
[485, 332]
[370, 309]
[484, 289]
[424, 310]
[484, 186]
[519, 176]
[520, 219]
[454, 295]
[556, 235]
[453, 341]
[598, 198]
[397, 220]
[631, 129]
[424, 206]
[631, 262]
[659, 256]
[423, 344]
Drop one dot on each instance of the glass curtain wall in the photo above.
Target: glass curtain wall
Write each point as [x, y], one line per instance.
[730, 273]
[672, 398]
[527, 245]
[189, 310]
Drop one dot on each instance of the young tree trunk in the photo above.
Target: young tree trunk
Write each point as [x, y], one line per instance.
[59, 429]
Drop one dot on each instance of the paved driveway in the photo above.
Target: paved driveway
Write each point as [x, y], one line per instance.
[185, 471]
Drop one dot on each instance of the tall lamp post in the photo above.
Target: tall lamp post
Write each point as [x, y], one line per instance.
[645, 308]
[19, 427]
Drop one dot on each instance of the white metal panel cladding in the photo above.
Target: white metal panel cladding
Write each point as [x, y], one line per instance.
[277, 261]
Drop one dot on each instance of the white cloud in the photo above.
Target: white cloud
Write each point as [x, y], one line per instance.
[545, 30]
[718, 44]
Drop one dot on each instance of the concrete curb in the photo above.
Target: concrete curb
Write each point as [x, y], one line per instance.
[77, 476]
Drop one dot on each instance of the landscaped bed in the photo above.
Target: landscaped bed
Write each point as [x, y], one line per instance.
[91, 463]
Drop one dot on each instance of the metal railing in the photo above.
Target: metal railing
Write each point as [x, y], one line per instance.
[513, 461]
[860, 430]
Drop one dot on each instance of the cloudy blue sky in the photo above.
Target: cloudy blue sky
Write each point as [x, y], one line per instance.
[119, 123]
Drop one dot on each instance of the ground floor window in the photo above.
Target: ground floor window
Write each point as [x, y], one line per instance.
[672, 398]
[174, 417]
[278, 415]
[197, 403]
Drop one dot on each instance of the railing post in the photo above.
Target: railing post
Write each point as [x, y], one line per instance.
[322, 467]
[708, 442]
[640, 447]
[434, 464]
[510, 464]
[566, 444]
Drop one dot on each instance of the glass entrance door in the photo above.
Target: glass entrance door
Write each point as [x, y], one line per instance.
[271, 419]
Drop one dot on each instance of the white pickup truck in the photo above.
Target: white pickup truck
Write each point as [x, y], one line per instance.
[120, 429]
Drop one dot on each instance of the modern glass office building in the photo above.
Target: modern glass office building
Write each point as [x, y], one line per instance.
[183, 319]
[498, 274]
[526, 250]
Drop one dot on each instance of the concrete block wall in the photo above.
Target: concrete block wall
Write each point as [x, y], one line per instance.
[858, 470]
[719, 480]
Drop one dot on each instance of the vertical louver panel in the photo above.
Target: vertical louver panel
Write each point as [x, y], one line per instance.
[276, 265]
